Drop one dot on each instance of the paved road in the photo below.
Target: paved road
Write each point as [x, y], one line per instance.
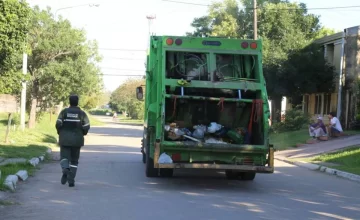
[111, 185]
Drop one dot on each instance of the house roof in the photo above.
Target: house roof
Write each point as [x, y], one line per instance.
[330, 39]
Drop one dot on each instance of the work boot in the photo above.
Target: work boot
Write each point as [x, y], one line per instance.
[71, 176]
[64, 176]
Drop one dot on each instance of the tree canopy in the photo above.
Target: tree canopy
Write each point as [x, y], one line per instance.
[285, 29]
[292, 65]
[124, 99]
[14, 21]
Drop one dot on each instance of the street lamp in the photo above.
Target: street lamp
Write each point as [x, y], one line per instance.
[90, 5]
[150, 19]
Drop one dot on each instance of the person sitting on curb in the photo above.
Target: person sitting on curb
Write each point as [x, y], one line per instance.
[318, 129]
[335, 129]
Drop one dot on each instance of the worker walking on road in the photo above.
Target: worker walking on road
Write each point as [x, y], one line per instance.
[72, 125]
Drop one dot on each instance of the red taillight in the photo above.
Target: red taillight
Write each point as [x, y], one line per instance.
[244, 45]
[178, 42]
[169, 41]
[176, 157]
[253, 45]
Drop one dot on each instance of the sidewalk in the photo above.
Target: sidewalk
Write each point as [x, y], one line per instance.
[310, 150]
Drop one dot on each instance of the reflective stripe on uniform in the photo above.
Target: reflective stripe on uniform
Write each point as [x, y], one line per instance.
[72, 120]
[86, 124]
[73, 166]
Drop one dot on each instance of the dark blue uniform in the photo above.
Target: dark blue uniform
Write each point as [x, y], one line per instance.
[72, 125]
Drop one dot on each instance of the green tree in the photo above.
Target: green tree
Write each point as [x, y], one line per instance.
[124, 99]
[285, 28]
[317, 76]
[14, 20]
[61, 62]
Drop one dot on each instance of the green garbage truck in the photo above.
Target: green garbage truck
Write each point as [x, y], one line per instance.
[206, 107]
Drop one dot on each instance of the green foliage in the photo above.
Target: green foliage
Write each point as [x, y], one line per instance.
[317, 76]
[124, 99]
[294, 120]
[61, 62]
[100, 111]
[14, 21]
[15, 119]
[286, 35]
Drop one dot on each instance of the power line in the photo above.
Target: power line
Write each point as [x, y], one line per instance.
[122, 69]
[121, 75]
[324, 8]
[186, 3]
[121, 58]
[121, 49]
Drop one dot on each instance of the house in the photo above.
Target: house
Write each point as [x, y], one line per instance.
[342, 50]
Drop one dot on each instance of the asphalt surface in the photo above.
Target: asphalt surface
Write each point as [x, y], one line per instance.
[111, 185]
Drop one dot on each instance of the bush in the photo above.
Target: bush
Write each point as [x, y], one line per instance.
[100, 111]
[294, 120]
[15, 119]
[136, 109]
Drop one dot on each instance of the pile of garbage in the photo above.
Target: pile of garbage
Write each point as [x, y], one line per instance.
[213, 133]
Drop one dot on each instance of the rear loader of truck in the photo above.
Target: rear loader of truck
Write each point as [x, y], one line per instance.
[206, 107]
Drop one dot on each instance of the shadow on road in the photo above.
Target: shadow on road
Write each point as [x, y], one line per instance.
[117, 131]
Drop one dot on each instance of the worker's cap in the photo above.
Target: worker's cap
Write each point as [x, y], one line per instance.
[320, 118]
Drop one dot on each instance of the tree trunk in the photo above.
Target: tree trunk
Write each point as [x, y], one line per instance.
[32, 118]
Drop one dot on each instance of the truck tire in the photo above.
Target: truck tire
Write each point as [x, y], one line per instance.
[144, 158]
[231, 175]
[150, 171]
[248, 176]
[166, 172]
[143, 151]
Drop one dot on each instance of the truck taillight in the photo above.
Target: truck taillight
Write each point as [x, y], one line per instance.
[244, 45]
[178, 41]
[253, 45]
[169, 41]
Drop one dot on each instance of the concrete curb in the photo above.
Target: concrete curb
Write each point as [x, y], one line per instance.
[22, 175]
[315, 167]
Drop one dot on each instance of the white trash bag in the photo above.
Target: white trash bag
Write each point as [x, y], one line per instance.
[199, 131]
[214, 127]
[164, 158]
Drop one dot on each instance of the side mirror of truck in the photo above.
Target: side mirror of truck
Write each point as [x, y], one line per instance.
[139, 93]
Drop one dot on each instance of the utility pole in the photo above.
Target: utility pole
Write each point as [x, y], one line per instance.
[255, 20]
[23, 94]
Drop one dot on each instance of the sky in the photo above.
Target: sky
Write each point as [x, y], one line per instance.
[120, 24]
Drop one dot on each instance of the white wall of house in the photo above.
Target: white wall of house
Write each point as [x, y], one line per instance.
[285, 105]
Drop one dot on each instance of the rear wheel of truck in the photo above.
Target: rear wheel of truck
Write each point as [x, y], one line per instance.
[144, 158]
[231, 175]
[150, 170]
[166, 172]
[143, 151]
[248, 176]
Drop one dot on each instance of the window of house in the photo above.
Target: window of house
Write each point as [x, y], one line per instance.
[318, 102]
[306, 104]
[327, 103]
